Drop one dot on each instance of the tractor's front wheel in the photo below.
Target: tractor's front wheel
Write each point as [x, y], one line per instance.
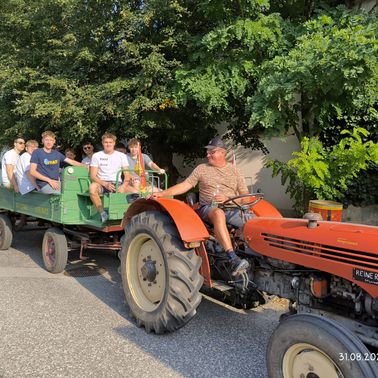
[307, 345]
[161, 278]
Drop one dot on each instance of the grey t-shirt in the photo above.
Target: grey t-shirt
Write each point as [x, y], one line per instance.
[147, 163]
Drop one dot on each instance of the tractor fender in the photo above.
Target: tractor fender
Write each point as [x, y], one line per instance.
[188, 223]
[265, 209]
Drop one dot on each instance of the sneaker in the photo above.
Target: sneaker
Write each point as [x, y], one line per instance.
[104, 216]
[238, 266]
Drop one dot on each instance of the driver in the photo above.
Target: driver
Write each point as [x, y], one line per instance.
[218, 181]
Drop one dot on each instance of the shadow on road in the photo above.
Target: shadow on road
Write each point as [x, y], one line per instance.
[217, 342]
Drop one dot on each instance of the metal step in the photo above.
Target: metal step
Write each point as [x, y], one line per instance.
[221, 286]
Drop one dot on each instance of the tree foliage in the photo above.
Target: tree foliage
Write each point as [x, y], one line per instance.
[170, 71]
[83, 67]
[329, 76]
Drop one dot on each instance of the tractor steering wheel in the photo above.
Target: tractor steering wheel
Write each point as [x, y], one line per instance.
[232, 204]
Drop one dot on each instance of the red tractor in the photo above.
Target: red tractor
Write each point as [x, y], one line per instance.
[327, 270]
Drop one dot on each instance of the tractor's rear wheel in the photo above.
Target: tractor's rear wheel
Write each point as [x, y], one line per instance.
[312, 346]
[161, 278]
[54, 250]
[6, 234]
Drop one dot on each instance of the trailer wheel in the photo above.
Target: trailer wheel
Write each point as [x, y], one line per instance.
[161, 278]
[54, 250]
[307, 345]
[6, 234]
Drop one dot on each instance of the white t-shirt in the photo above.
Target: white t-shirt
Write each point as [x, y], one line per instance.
[86, 160]
[23, 166]
[10, 157]
[109, 165]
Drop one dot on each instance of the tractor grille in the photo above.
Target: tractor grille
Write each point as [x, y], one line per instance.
[345, 255]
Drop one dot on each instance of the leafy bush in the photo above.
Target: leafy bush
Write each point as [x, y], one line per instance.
[318, 172]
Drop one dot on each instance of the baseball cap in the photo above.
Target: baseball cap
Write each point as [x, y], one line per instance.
[216, 143]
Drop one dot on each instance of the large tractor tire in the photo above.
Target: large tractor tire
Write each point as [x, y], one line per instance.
[161, 278]
[308, 345]
[54, 250]
[6, 234]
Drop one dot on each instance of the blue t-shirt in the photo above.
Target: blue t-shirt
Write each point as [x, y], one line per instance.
[48, 164]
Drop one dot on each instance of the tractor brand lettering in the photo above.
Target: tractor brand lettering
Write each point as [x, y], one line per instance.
[365, 276]
[22, 207]
[70, 178]
[50, 162]
[42, 210]
[345, 241]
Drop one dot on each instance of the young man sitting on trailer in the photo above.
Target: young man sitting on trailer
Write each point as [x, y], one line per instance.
[133, 159]
[88, 150]
[26, 182]
[8, 164]
[104, 168]
[45, 163]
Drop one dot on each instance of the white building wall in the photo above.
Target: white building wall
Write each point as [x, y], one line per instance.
[252, 163]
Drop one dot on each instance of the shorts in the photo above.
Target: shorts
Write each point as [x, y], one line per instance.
[104, 190]
[233, 216]
[47, 189]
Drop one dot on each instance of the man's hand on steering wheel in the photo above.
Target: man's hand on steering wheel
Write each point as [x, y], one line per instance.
[232, 202]
[220, 198]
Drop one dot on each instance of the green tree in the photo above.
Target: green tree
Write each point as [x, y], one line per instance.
[329, 77]
[81, 67]
[169, 71]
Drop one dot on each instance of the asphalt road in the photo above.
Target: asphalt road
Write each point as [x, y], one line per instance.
[62, 326]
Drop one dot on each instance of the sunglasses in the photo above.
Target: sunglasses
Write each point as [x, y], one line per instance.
[87, 148]
[20, 142]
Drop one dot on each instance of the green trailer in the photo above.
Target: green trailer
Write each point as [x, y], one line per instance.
[74, 221]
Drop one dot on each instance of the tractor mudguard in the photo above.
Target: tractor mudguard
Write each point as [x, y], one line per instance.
[265, 209]
[188, 223]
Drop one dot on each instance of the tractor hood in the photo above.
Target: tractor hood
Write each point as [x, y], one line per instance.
[343, 249]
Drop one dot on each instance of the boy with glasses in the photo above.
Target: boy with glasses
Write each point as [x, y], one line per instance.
[88, 150]
[8, 164]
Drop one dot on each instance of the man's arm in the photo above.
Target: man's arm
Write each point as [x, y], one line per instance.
[243, 200]
[175, 190]
[126, 174]
[156, 168]
[33, 171]
[94, 178]
[9, 168]
[31, 178]
[74, 163]
[10, 173]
